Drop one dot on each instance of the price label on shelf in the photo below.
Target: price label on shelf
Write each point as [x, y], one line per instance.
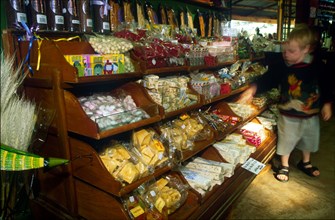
[253, 166]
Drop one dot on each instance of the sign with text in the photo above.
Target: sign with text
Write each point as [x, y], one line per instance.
[253, 166]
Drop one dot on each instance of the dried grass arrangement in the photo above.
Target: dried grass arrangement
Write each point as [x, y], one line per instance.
[18, 115]
[18, 119]
[23, 124]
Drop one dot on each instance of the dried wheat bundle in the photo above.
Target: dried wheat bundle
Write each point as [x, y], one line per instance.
[10, 80]
[18, 116]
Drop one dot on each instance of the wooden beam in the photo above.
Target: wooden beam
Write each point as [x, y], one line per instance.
[254, 19]
[262, 9]
[254, 8]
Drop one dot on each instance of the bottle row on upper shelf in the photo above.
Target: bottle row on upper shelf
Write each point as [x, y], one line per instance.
[107, 16]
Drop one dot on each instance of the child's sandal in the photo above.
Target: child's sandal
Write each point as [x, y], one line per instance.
[307, 170]
[283, 170]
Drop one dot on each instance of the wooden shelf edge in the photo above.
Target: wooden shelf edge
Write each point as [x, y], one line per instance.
[106, 78]
[38, 83]
[168, 69]
[223, 96]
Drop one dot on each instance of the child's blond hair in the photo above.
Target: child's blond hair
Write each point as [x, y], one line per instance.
[304, 36]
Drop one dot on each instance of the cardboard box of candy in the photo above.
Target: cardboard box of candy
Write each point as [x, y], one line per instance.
[97, 64]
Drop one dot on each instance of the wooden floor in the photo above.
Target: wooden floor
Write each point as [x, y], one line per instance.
[303, 197]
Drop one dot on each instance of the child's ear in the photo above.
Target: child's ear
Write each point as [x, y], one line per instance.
[308, 48]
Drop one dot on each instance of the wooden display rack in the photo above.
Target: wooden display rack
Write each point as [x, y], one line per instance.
[84, 188]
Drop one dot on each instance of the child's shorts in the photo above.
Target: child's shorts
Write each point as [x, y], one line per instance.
[302, 133]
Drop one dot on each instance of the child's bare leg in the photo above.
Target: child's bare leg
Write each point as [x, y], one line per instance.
[306, 156]
[284, 163]
[284, 160]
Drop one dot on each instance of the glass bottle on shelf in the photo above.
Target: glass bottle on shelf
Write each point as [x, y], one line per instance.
[85, 16]
[36, 14]
[70, 12]
[54, 15]
[15, 12]
[100, 17]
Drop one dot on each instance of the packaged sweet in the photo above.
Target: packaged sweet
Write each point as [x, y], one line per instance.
[148, 192]
[109, 44]
[166, 194]
[114, 15]
[209, 27]
[140, 14]
[201, 24]
[127, 12]
[172, 18]
[172, 191]
[215, 121]
[150, 148]
[151, 13]
[111, 110]
[135, 207]
[162, 14]
[122, 163]
[170, 92]
[254, 133]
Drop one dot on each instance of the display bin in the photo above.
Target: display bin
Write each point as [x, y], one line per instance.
[187, 108]
[205, 67]
[263, 153]
[189, 206]
[223, 96]
[95, 182]
[49, 55]
[159, 65]
[224, 109]
[96, 204]
[78, 121]
[169, 114]
[199, 144]
[88, 167]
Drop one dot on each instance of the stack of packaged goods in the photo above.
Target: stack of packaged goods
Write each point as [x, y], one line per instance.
[170, 92]
[112, 110]
[202, 174]
[156, 199]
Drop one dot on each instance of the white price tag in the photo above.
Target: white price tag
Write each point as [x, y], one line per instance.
[21, 17]
[89, 23]
[59, 19]
[41, 19]
[74, 21]
[105, 25]
[253, 166]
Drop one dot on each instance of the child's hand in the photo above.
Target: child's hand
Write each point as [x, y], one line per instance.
[247, 95]
[326, 111]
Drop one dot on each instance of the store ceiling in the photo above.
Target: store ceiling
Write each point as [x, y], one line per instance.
[255, 10]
